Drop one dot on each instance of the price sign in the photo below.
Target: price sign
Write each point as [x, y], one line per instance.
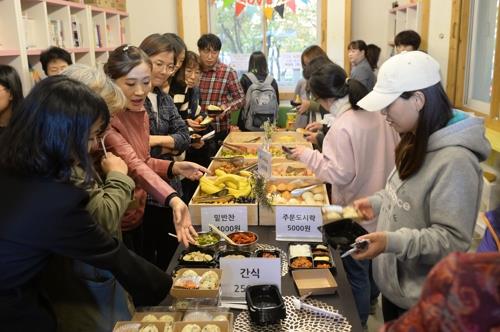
[228, 219]
[298, 223]
[238, 274]
[265, 163]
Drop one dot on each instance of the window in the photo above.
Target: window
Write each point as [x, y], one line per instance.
[481, 55]
[473, 82]
[282, 39]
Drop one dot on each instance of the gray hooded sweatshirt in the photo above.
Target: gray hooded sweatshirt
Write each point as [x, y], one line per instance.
[432, 213]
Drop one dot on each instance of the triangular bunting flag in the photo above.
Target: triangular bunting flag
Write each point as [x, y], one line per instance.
[239, 8]
[269, 2]
[291, 4]
[305, 1]
[228, 3]
[268, 13]
[280, 10]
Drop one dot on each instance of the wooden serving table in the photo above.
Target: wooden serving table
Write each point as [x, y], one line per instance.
[343, 300]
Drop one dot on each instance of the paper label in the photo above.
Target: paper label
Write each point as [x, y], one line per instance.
[227, 218]
[239, 273]
[298, 223]
[264, 163]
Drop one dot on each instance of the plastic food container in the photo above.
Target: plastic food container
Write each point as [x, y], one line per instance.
[234, 254]
[266, 253]
[265, 304]
[340, 234]
[186, 258]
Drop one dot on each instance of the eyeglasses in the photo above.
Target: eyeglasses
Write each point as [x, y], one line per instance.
[170, 67]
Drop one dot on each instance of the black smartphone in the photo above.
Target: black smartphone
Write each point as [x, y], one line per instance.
[286, 149]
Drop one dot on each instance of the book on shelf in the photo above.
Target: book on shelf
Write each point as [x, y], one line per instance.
[76, 28]
[34, 74]
[29, 31]
[56, 33]
[97, 32]
[108, 35]
[123, 35]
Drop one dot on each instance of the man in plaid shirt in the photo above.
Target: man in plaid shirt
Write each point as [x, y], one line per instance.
[219, 84]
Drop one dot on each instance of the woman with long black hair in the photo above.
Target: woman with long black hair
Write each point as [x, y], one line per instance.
[44, 213]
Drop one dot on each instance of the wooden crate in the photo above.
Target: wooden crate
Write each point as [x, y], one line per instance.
[275, 149]
[267, 216]
[195, 210]
[287, 137]
[282, 137]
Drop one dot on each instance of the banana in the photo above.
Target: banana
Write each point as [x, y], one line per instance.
[231, 185]
[246, 174]
[244, 192]
[220, 172]
[229, 177]
[209, 189]
[204, 179]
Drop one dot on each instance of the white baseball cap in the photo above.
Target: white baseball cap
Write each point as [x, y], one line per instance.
[407, 71]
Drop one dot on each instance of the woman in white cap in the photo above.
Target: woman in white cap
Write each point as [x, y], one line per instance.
[430, 203]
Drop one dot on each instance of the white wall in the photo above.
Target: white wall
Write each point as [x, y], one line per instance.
[369, 22]
[439, 34]
[151, 16]
[191, 18]
[335, 31]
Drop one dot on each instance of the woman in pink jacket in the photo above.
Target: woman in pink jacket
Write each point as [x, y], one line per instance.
[358, 155]
[128, 137]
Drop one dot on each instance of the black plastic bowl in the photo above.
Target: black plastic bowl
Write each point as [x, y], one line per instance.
[265, 304]
[340, 234]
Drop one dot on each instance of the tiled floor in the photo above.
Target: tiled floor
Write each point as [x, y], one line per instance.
[376, 321]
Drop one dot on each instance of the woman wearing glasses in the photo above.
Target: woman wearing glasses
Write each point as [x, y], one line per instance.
[169, 138]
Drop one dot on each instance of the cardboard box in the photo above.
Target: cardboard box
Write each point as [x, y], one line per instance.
[139, 315]
[267, 216]
[224, 326]
[314, 281]
[136, 326]
[181, 293]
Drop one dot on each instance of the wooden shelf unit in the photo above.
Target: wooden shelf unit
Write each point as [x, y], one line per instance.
[26, 25]
[404, 17]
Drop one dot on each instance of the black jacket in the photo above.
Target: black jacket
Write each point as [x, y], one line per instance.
[40, 217]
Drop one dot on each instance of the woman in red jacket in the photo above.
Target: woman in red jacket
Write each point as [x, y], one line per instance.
[128, 137]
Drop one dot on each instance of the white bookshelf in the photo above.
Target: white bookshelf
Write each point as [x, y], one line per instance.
[25, 31]
[404, 17]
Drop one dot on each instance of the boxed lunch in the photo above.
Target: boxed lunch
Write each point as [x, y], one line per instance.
[196, 283]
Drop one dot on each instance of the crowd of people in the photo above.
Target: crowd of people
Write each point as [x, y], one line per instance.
[99, 165]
